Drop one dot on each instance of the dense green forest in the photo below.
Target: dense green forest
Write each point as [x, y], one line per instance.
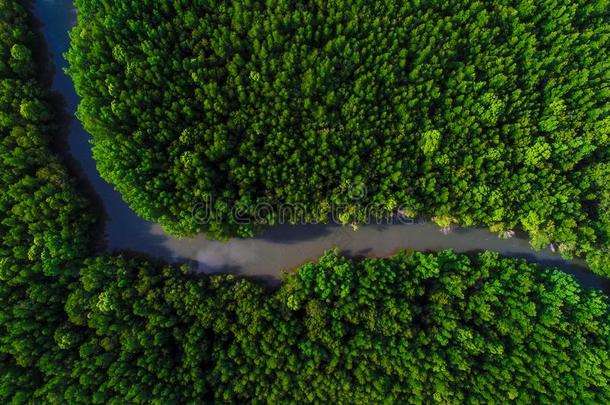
[488, 113]
[415, 327]
[44, 221]
[412, 328]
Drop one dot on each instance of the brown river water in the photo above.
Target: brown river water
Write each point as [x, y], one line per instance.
[279, 248]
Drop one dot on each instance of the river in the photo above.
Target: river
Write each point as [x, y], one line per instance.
[279, 248]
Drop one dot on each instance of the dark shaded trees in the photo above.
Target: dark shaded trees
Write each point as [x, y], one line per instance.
[44, 221]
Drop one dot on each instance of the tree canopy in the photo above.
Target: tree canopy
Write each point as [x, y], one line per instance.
[412, 328]
[474, 112]
[114, 329]
[44, 222]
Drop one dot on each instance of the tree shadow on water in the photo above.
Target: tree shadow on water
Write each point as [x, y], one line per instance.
[356, 255]
[291, 234]
[267, 281]
[59, 129]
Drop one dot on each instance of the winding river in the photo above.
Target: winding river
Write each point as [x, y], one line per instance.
[280, 248]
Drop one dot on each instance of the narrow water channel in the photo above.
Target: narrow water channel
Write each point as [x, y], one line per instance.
[280, 248]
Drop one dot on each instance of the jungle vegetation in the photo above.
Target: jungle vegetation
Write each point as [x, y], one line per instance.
[471, 112]
[413, 328]
[76, 327]
[44, 220]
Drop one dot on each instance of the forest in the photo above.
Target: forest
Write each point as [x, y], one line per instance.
[45, 222]
[486, 113]
[409, 329]
[80, 327]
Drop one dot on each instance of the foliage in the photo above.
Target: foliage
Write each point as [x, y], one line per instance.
[489, 112]
[409, 329]
[44, 221]
[423, 328]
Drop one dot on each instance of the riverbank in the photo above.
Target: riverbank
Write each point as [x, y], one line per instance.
[277, 249]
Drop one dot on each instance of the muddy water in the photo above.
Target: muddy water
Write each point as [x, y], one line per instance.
[280, 248]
